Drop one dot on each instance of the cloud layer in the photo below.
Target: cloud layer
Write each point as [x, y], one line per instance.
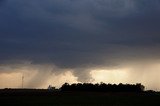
[79, 35]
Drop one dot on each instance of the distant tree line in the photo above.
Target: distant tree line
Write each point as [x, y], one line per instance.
[102, 87]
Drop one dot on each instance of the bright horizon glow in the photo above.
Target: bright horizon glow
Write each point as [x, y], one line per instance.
[14, 80]
[36, 77]
[109, 76]
[10, 80]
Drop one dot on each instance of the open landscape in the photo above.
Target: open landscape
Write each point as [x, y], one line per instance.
[79, 52]
[56, 98]
[74, 95]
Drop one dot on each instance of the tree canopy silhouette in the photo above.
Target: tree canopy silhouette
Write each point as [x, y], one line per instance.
[102, 87]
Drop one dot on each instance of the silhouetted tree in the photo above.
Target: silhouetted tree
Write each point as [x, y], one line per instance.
[102, 87]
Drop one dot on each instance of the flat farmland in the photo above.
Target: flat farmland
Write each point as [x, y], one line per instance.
[52, 98]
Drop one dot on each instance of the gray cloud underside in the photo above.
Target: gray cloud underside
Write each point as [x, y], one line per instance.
[79, 33]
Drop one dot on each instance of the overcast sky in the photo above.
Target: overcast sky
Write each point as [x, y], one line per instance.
[79, 36]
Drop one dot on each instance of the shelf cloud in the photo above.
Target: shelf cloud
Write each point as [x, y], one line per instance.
[79, 36]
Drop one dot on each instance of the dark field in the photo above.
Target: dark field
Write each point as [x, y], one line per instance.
[57, 98]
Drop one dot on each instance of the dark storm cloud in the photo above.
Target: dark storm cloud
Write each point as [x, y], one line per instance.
[2, 1]
[79, 33]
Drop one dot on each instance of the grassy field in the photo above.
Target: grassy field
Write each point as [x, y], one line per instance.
[80, 99]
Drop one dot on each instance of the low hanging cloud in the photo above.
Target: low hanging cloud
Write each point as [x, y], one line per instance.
[78, 36]
[35, 75]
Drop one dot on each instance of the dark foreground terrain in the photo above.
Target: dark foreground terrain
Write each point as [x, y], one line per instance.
[58, 98]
